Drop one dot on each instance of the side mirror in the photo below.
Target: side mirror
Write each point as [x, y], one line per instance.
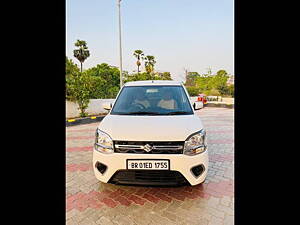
[198, 105]
[107, 106]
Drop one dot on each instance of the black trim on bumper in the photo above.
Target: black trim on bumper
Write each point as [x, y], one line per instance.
[149, 178]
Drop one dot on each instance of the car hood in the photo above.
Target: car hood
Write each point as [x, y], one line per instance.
[150, 128]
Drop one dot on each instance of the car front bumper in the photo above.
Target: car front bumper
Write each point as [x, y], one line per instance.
[183, 164]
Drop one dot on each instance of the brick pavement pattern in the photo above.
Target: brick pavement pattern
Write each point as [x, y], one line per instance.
[91, 202]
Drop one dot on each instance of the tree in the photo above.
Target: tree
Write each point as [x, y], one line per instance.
[222, 73]
[191, 78]
[70, 66]
[82, 53]
[139, 55]
[148, 76]
[139, 76]
[223, 89]
[79, 86]
[208, 83]
[220, 82]
[213, 92]
[106, 81]
[166, 76]
[203, 83]
[149, 63]
[193, 91]
[231, 90]
[71, 69]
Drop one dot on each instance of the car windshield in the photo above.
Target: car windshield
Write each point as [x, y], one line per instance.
[152, 100]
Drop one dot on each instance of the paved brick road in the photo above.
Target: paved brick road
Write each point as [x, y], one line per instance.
[90, 202]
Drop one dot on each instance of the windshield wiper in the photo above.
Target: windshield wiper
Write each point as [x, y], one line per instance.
[142, 113]
[177, 113]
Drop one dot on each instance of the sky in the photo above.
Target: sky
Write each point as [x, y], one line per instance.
[181, 34]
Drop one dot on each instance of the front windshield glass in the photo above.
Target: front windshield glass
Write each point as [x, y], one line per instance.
[152, 100]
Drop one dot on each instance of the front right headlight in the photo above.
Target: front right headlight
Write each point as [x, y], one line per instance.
[195, 144]
[103, 142]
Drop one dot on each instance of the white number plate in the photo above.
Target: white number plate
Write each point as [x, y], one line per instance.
[148, 164]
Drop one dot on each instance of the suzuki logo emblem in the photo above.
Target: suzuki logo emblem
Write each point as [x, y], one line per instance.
[148, 148]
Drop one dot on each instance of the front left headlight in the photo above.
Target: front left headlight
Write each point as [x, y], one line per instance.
[195, 144]
[103, 142]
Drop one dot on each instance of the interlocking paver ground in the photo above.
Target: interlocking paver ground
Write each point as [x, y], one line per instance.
[89, 201]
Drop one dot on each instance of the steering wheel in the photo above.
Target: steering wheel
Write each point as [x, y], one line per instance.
[141, 106]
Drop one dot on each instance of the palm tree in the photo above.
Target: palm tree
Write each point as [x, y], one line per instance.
[149, 63]
[139, 55]
[82, 53]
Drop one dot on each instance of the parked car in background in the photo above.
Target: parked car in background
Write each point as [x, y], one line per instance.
[202, 98]
[151, 136]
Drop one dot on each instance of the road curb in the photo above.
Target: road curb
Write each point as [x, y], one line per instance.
[86, 120]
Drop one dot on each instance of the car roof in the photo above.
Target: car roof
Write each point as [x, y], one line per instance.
[153, 83]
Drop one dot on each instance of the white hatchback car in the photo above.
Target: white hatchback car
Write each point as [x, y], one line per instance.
[151, 136]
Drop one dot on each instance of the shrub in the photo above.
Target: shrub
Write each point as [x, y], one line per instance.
[213, 92]
[231, 90]
[193, 91]
[106, 81]
[79, 86]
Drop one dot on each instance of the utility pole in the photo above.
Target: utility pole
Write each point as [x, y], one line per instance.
[120, 42]
[186, 73]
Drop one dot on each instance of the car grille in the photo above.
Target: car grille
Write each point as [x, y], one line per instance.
[149, 178]
[139, 147]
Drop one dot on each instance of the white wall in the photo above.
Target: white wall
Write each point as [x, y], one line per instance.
[95, 107]
[228, 100]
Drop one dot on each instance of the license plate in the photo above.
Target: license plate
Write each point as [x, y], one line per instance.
[148, 164]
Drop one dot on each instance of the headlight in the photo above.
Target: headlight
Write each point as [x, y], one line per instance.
[195, 144]
[103, 142]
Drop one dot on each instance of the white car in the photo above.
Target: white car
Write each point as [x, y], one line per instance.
[151, 136]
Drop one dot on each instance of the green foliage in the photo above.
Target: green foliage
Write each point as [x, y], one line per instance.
[101, 81]
[222, 73]
[71, 67]
[203, 83]
[148, 76]
[210, 84]
[138, 76]
[191, 78]
[223, 89]
[106, 81]
[139, 55]
[165, 76]
[82, 53]
[212, 92]
[231, 90]
[79, 86]
[149, 63]
[193, 91]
